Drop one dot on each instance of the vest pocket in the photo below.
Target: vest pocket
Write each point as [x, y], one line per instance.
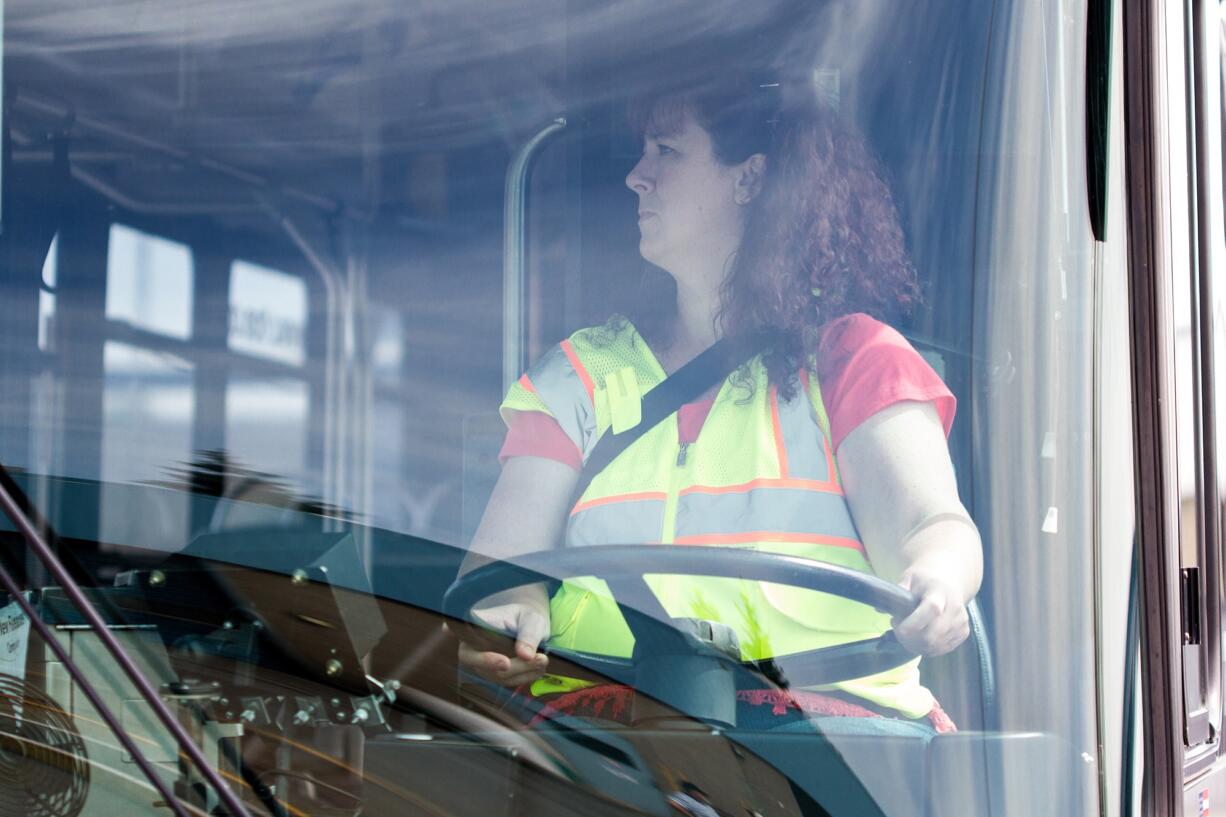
[826, 612]
[585, 618]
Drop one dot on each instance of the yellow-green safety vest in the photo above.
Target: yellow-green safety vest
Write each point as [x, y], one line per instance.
[761, 476]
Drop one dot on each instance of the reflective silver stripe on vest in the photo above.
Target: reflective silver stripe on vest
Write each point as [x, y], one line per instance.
[803, 439]
[561, 390]
[784, 510]
[626, 522]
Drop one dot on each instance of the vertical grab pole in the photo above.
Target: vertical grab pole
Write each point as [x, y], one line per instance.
[514, 252]
[337, 306]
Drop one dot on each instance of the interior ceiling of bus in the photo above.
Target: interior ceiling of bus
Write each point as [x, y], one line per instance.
[154, 94]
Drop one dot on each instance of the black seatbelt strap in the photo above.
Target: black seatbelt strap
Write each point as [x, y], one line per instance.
[683, 386]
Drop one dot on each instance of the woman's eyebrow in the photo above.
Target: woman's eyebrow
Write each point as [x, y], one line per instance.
[658, 131]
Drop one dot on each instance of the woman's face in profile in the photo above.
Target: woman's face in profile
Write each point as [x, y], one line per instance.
[687, 205]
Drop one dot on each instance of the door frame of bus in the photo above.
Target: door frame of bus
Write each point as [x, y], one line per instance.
[1157, 501]
[1208, 603]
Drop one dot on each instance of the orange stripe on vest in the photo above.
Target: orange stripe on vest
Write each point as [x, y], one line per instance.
[584, 377]
[768, 536]
[659, 496]
[780, 449]
[765, 482]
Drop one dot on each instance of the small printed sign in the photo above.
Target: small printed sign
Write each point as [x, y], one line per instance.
[14, 640]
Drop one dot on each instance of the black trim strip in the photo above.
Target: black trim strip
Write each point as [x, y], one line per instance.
[1148, 306]
[1098, 111]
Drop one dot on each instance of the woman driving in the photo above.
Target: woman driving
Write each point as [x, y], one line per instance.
[828, 442]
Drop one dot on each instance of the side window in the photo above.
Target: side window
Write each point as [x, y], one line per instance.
[147, 399]
[46, 296]
[268, 323]
[268, 311]
[149, 282]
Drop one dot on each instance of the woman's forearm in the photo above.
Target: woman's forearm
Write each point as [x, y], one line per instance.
[901, 489]
[947, 547]
[526, 512]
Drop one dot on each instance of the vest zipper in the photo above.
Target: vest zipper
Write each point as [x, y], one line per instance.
[675, 477]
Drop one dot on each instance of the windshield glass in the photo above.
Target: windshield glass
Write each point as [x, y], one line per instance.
[323, 322]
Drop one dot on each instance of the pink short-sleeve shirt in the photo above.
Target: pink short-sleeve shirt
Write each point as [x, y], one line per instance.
[863, 366]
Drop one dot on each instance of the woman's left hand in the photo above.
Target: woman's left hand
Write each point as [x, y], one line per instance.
[939, 623]
[900, 485]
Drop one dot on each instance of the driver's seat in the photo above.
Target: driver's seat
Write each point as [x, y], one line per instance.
[951, 775]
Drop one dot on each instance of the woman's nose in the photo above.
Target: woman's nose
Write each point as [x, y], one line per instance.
[639, 179]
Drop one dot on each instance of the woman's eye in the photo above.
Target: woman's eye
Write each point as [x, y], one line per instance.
[665, 150]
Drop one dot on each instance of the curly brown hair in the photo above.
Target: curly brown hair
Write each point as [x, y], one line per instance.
[822, 238]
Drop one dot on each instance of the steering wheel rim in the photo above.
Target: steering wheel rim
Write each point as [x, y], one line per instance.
[825, 665]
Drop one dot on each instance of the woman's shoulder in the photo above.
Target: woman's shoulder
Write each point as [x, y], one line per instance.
[850, 333]
[610, 346]
[864, 365]
[853, 340]
[616, 330]
[589, 355]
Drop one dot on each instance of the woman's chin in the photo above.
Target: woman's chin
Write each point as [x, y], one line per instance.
[649, 252]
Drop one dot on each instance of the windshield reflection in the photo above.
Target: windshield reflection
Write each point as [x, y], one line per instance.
[255, 299]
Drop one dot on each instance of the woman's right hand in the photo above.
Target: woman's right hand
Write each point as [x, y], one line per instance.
[527, 512]
[524, 613]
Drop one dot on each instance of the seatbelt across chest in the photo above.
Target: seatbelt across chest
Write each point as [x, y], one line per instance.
[683, 386]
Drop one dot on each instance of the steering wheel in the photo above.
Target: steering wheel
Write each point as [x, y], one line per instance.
[624, 568]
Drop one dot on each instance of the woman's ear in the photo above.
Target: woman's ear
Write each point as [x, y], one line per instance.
[749, 178]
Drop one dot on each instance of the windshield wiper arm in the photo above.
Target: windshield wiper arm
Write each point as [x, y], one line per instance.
[10, 507]
[95, 697]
